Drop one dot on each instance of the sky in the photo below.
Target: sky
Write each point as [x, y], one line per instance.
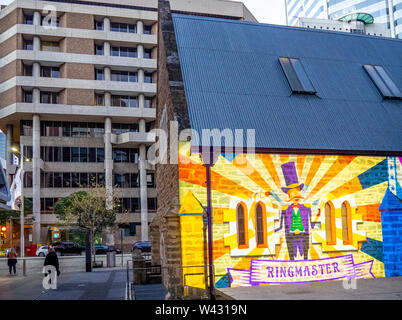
[267, 11]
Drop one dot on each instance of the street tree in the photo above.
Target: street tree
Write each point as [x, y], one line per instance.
[92, 209]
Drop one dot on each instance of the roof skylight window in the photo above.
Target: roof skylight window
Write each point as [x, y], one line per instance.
[296, 75]
[383, 81]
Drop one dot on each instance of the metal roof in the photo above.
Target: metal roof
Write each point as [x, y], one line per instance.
[233, 79]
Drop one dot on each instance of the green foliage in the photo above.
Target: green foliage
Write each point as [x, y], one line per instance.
[6, 215]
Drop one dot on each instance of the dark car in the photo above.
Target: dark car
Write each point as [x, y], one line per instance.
[64, 248]
[143, 246]
[103, 249]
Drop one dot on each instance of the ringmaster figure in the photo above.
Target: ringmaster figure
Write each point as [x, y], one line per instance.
[297, 217]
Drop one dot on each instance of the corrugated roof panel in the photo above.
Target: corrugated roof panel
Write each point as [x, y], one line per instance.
[233, 79]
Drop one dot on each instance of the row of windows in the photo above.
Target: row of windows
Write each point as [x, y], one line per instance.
[83, 154]
[132, 205]
[65, 179]
[300, 82]
[123, 101]
[127, 52]
[261, 229]
[123, 27]
[123, 76]
[77, 129]
[54, 46]
[98, 25]
[131, 180]
[85, 179]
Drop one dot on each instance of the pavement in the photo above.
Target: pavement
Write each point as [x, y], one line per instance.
[100, 284]
[365, 289]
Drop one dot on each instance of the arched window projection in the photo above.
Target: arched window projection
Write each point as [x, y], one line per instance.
[347, 234]
[330, 226]
[242, 226]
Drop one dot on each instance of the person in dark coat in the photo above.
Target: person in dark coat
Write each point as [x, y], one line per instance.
[12, 260]
[52, 260]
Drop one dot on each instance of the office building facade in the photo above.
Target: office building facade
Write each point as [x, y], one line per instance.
[387, 12]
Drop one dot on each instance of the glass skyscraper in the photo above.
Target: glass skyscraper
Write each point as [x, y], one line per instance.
[388, 12]
[2, 145]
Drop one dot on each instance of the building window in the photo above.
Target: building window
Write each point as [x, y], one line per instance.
[49, 46]
[50, 72]
[148, 77]
[26, 128]
[152, 204]
[128, 155]
[99, 50]
[383, 82]
[124, 101]
[27, 70]
[99, 74]
[346, 223]
[124, 76]
[260, 225]
[149, 103]
[27, 179]
[296, 75]
[151, 180]
[28, 19]
[330, 227]
[147, 29]
[123, 27]
[50, 21]
[99, 99]
[98, 25]
[147, 53]
[28, 97]
[49, 97]
[242, 227]
[124, 52]
[28, 44]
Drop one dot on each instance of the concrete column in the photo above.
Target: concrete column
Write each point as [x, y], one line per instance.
[9, 153]
[108, 169]
[143, 193]
[140, 51]
[36, 95]
[36, 178]
[142, 126]
[106, 49]
[107, 73]
[106, 24]
[141, 101]
[140, 76]
[36, 18]
[36, 70]
[108, 99]
[36, 43]
[140, 27]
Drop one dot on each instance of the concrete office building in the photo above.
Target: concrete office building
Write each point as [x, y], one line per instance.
[78, 96]
[385, 12]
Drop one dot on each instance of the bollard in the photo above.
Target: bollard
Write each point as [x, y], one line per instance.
[24, 267]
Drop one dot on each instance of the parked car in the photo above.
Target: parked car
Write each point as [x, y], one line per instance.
[143, 246]
[63, 248]
[103, 249]
[42, 251]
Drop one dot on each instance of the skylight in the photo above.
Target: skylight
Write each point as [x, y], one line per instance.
[296, 75]
[383, 81]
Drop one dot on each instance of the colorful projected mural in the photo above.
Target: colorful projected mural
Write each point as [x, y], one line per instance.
[290, 218]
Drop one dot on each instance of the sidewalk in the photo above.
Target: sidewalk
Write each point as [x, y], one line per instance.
[101, 284]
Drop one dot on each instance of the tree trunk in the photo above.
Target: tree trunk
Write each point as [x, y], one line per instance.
[93, 245]
[88, 259]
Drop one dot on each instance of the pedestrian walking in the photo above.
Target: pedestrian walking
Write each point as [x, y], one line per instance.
[52, 260]
[12, 260]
